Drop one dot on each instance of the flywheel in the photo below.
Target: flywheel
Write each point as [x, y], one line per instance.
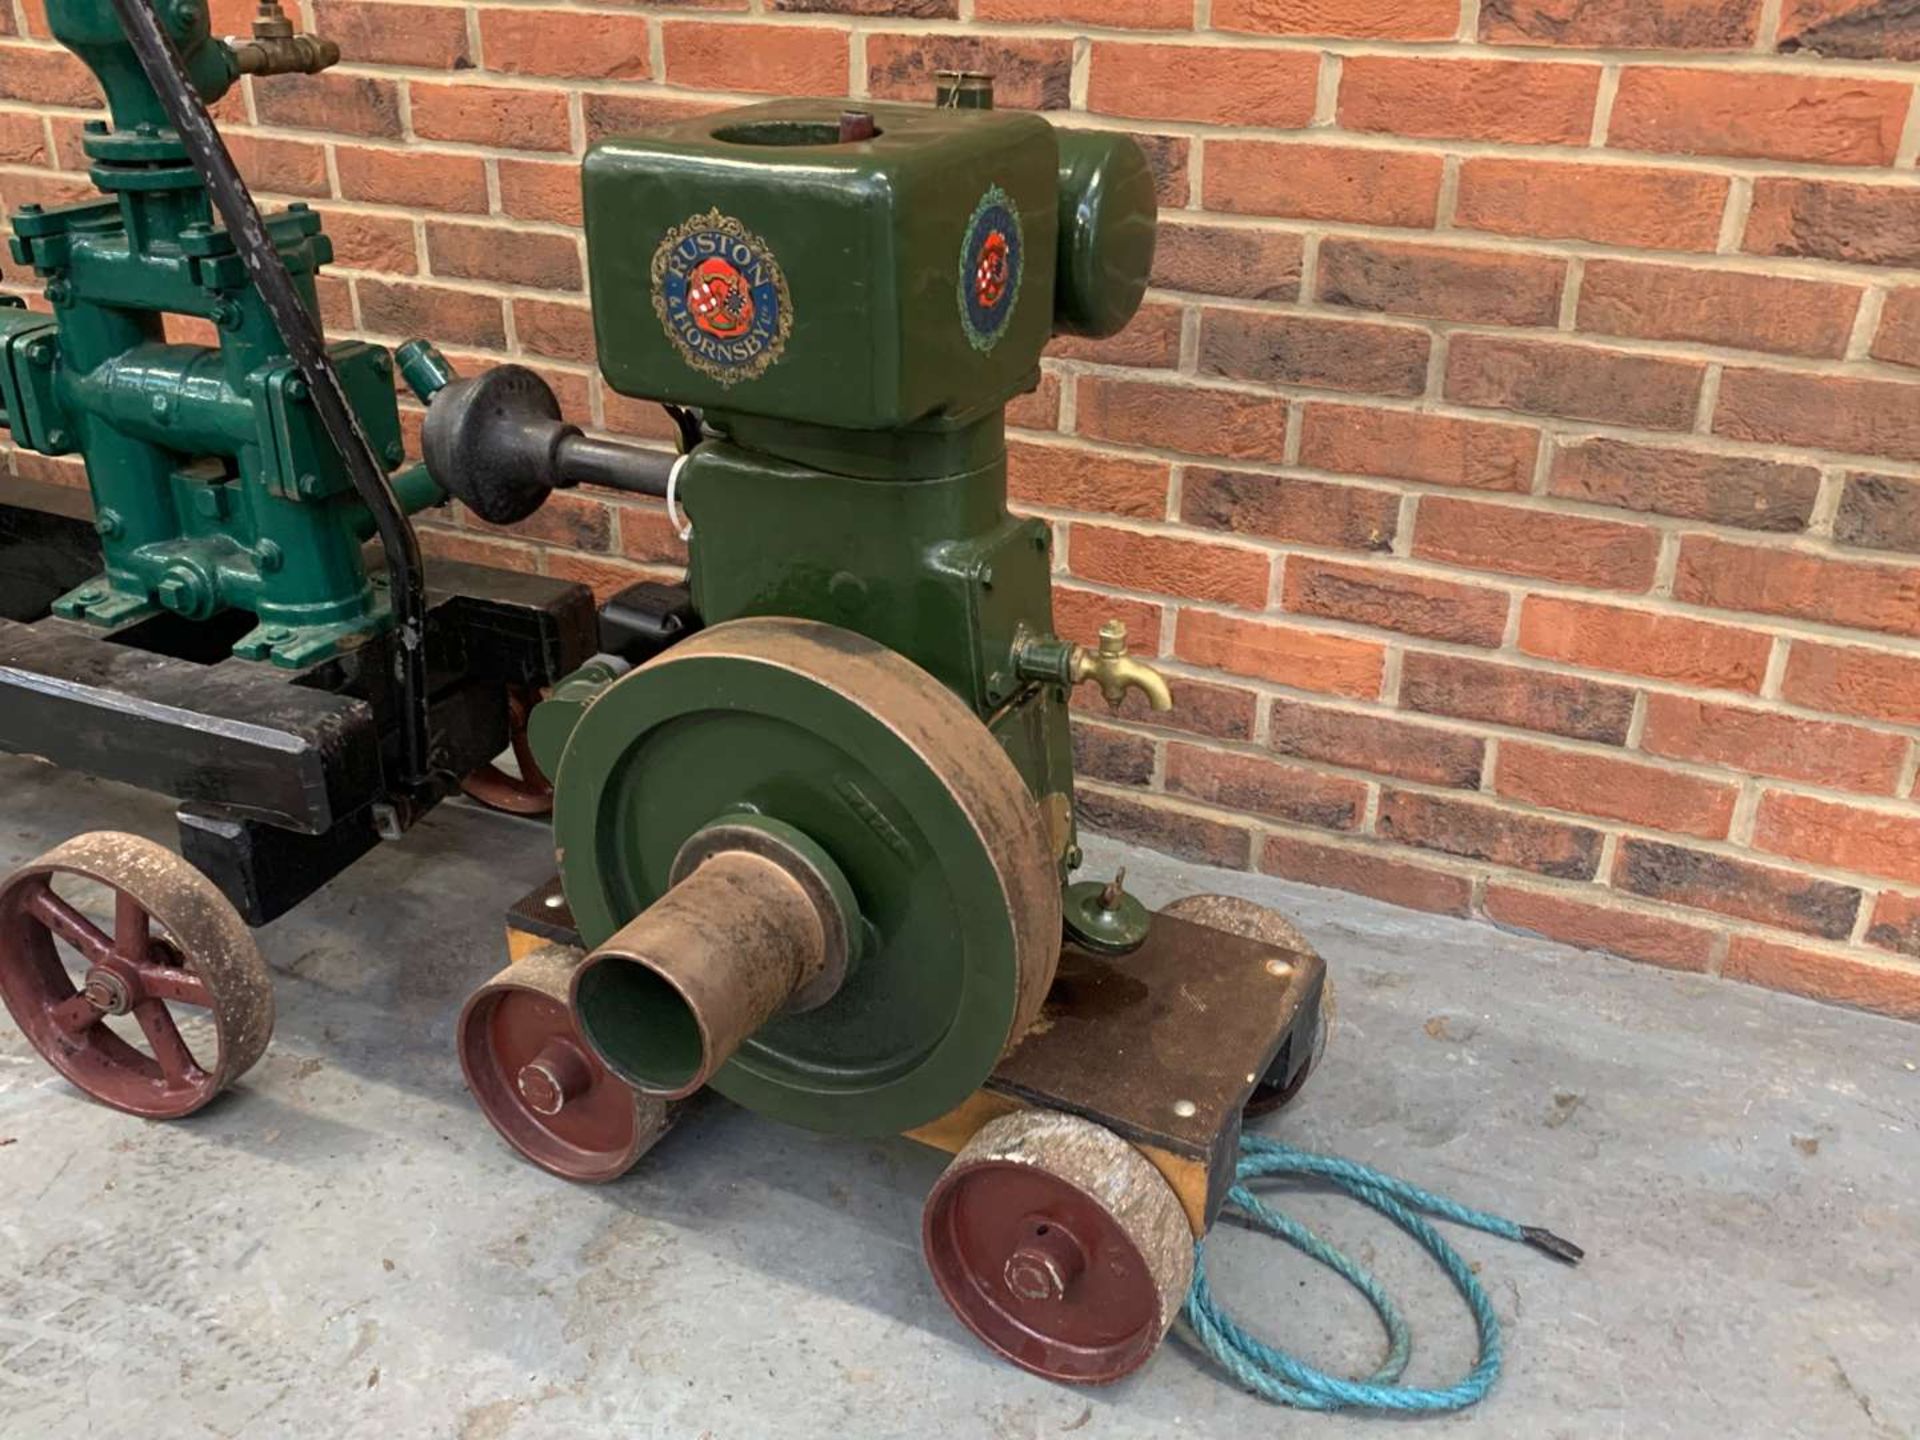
[955, 886]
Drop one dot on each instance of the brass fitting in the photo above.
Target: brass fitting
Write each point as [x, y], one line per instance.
[276, 50]
[1116, 672]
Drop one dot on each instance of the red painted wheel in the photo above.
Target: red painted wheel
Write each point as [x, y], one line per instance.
[541, 1086]
[106, 1009]
[1060, 1246]
[527, 793]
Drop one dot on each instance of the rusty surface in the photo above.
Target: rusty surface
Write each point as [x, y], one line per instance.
[732, 943]
[955, 747]
[1267, 925]
[822, 981]
[540, 1085]
[175, 942]
[1166, 1045]
[1059, 1245]
[527, 793]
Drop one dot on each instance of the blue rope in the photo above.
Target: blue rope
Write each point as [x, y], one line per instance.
[1286, 1380]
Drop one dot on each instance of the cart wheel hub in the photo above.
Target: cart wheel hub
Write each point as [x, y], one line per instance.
[107, 992]
[559, 1073]
[1046, 1264]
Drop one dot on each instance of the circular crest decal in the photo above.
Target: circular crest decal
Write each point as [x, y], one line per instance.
[990, 265]
[721, 297]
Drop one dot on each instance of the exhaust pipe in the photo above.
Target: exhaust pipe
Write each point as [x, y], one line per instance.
[757, 922]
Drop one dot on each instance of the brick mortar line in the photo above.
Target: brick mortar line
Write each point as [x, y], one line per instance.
[1717, 445]
[1908, 148]
[1514, 659]
[1597, 886]
[1866, 323]
[1467, 867]
[1726, 166]
[1465, 146]
[1802, 64]
[1698, 352]
[1418, 404]
[1736, 217]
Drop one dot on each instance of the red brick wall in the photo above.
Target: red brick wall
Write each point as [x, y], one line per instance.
[1517, 463]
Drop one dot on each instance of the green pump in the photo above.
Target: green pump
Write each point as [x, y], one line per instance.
[215, 486]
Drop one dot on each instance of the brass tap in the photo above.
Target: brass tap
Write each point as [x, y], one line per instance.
[1116, 672]
[276, 50]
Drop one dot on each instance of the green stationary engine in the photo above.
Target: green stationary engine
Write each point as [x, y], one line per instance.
[215, 486]
[818, 848]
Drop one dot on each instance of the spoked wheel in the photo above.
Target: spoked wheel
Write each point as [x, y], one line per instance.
[527, 793]
[1253, 921]
[1059, 1245]
[177, 951]
[541, 1086]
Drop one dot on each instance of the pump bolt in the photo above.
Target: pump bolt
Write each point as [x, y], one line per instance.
[59, 292]
[40, 354]
[395, 452]
[276, 634]
[56, 439]
[162, 405]
[107, 525]
[226, 314]
[269, 557]
[296, 389]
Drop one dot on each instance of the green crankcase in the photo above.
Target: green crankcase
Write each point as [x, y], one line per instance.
[850, 299]
[214, 485]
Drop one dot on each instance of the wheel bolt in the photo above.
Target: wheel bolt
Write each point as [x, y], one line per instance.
[1045, 1265]
[559, 1073]
[107, 992]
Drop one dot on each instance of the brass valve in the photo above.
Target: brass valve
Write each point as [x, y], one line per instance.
[276, 50]
[1116, 672]
[1055, 662]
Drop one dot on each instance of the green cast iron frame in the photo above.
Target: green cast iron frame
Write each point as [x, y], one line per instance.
[214, 484]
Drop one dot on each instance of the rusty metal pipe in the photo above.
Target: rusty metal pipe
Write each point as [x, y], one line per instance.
[667, 1001]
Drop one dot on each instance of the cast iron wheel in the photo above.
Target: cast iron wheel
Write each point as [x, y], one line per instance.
[1253, 921]
[1060, 1246]
[527, 793]
[176, 944]
[890, 774]
[540, 1085]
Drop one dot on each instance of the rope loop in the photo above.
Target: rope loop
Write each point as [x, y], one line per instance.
[1287, 1380]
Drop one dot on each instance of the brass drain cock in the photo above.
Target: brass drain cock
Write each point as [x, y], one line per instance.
[1108, 665]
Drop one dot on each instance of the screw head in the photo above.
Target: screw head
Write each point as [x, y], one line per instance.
[1185, 1109]
[107, 524]
[269, 557]
[107, 992]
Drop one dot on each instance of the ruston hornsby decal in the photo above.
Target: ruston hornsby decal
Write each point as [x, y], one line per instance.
[721, 297]
[990, 268]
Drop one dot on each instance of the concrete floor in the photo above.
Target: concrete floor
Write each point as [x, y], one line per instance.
[343, 1249]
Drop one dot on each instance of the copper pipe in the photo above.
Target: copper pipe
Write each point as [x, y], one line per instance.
[675, 992]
